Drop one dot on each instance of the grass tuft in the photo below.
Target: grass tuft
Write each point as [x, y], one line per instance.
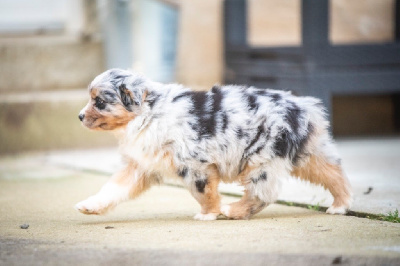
[314, 207]
[392, 217]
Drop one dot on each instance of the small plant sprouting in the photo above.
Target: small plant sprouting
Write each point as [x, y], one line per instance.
[392, 217]
[314, 207]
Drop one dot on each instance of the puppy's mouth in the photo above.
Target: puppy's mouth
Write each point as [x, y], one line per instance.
[100, 126]
[103, 126]
[91, 124]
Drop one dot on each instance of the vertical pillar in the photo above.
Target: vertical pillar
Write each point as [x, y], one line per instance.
[397, 21]
[235, 22]
[315, 22]
[315, 40]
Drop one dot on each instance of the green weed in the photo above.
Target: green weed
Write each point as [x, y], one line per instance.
[314, 207]
[392, 217]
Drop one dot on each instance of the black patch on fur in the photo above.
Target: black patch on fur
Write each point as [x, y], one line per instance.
[283, 144]
[261, 92]
[293, 116]
[252, 102]
[199, 99]
[292, 145]
[239, 133]
[275, 97]
[252, 148]
[262, 177]
[201, 184]
[206, 107]
[203, 160]
[183, 95]
[125, 97]
[225, 121]
[215, 89]
[217, 99]
[183, 172]
[302, 144]
[260, 131]
[205, 126]
[257, 151]
[152, 98]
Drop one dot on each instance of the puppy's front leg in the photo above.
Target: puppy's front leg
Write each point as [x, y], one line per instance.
[125, 184]
[205, 191]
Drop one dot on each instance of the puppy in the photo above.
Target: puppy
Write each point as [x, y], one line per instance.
[241, 134]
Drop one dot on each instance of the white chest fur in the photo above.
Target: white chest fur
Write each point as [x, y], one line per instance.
[149, 149]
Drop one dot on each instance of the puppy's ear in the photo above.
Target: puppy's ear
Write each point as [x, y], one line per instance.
[128, 98]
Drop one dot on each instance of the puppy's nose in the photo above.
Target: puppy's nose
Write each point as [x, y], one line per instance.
[81, 116]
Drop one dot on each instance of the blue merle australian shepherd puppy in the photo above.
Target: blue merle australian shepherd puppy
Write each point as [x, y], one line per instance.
[253, 136]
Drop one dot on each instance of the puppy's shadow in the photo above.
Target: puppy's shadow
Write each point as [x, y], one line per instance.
[278, 215]
[174, 218]
[147, 219]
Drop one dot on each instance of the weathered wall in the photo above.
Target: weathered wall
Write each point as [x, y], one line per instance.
[48, 63]
[200, 51]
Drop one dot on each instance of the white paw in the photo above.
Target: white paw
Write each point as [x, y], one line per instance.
[336, 210]
[206, 217]
[225, 210]
[93, 205]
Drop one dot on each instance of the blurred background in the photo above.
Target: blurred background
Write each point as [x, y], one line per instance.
[345, 52]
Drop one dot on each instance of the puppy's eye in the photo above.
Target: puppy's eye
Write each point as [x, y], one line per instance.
[100, 104]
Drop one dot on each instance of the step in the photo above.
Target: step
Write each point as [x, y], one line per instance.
[46, 121]
[48, 63]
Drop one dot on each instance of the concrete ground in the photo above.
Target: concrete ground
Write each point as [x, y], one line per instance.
[40, 190]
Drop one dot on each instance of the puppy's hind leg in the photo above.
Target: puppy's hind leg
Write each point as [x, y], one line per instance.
[319, 170]
[261, 188]
[246, 207]
[122, 186]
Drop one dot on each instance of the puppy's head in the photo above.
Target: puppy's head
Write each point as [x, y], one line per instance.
[116, 97]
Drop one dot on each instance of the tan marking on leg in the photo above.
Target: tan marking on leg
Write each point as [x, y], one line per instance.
[331, 176]
[139, 183]
[246, 207]
[126, 184]
[209, 200]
